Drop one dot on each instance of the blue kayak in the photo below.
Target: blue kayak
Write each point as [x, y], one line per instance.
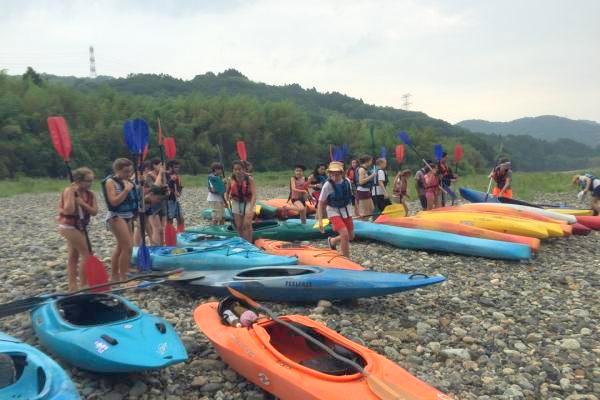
[207, 214]
[190, 239]
[212, 258]
[419, 239]
[475, 196]
[309, 283]
[106, 333]
[28, 374]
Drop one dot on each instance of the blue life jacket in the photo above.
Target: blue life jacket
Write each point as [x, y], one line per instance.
[216, 184]
[131, 202]
[342, 194]
[367, 185]
[321, 179]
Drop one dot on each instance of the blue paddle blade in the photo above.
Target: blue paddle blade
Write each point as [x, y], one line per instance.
[345, 150]
[404, 137]
[438, 150]
[136, 135]
[144, 261]
[129, 134]
[383, 152]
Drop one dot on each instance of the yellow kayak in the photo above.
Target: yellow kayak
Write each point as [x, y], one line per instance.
[575, 212]
[504, 224]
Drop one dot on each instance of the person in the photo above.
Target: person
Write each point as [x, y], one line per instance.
[447, 177]
[298, 193]
[502, 175]
[241, 192]
[363, 189]
[400, 190]
[122, 202]
[335, 202]
[216, 193]
[155, 190]
[588, 183]
[432, 187]
[352, 175]
[420, 184]
[77, 204]
[316, 181]
[247, 167]
[379, 190]
[174, 210]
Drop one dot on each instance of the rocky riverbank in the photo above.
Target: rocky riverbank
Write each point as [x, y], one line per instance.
[494, 330]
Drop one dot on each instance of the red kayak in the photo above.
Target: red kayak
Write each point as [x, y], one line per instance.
[592, 222]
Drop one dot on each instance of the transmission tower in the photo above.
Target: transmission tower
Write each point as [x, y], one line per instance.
[406, 101]
[92, 63]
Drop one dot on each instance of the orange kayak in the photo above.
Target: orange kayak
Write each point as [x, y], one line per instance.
[279, 203]
[308, 255]
[285, 365]
[459, 229]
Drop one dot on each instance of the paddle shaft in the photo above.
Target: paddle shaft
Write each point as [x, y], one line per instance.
[142, 207]
[426, 163]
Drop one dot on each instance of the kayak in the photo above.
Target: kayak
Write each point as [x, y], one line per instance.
[188, 239]
[279, 203]
[459, 229]
[106, 333]
[592, 222]
[266, 211]
[302, 283]
[287, 366]
[277, 230]
[475, 196]
[580, 229]
[28, 374]
[207, 214]
[308, 255]
[570, 219]
[495, 223]
[237, 257]
[419, 239]
[571, 211]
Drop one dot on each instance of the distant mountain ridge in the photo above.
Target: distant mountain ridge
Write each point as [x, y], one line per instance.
[547, 127]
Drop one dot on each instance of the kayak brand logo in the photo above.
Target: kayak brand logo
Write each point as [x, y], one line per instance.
[264, 379]
[298, 284]
[101, 346]
[162, 348]
[127, 326]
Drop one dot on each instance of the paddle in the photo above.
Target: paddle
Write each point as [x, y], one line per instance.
[458, 153]
[30, 303]
[227, 204]
[438, 151]
[170, 235]
[399, 155]
[392, 209]
[241, 150]
[372, 133]
[383, 152]
[383, 390]
[136, 136]
[93, 268]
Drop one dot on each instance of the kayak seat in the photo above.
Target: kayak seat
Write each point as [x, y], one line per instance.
[328, 365]
[266, 272]
[94, 309]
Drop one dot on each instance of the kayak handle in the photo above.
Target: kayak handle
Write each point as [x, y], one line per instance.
[413, 276]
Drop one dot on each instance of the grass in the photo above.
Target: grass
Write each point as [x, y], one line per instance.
[525, 184]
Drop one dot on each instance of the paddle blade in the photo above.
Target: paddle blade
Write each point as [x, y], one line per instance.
[95, 274]
[145, 153]
[403, 136]
[330, 152]
[458, 153]
[170, 235]
[136, 135]
[144, 262]
[243, 297]
[241, 150]
[345, 151]
[388, 391]
[180, 228]
[160, 134]
[399, 153]
[170, 148]
[59, 134]
[257, 209]
[394, 210]
[325, 223]
[383, 152]
[438, 151]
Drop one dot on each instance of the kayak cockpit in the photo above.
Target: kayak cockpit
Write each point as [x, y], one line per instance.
[94, 309]
[17, 369]
[278, 272]
[298, 352]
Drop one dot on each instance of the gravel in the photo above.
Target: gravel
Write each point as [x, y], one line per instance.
[494, 330]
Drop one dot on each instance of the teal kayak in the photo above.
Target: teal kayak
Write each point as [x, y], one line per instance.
[419, 239]
[244, 255]
[189, 239]
[276, 230]
[207, 214]
[106, 333]
[266, 212]
[28, 374]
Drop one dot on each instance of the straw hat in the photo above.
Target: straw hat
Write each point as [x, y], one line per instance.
[335, 166]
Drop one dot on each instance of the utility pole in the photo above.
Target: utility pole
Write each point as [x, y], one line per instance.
[92, 63]
[406, 101]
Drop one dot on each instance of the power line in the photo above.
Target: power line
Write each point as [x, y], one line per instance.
[406, 101]
[92, 63]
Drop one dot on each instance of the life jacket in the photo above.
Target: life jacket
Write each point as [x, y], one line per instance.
[174, 185]
[240, 191]
[216, 184]
[499, 177]
[431, 182]
[367, 185]
[131, 202]
[342, 194]
[75, 220]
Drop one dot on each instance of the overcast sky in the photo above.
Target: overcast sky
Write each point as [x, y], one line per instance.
[460, 59]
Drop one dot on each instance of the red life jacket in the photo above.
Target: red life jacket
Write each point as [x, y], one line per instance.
[240, 191]
[74, 220]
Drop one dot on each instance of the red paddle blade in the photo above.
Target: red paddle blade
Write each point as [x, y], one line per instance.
[458, 153]
[399, 153]
[241, 150]
[145, 153]
[170, 235]
[95, 273]
[160, 135]
[180, 228]
[59, 133]
[170, 148]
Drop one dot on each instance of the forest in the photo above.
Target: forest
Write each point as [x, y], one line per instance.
[281, 125]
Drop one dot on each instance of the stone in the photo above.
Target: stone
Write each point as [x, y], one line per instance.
[570, 344]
